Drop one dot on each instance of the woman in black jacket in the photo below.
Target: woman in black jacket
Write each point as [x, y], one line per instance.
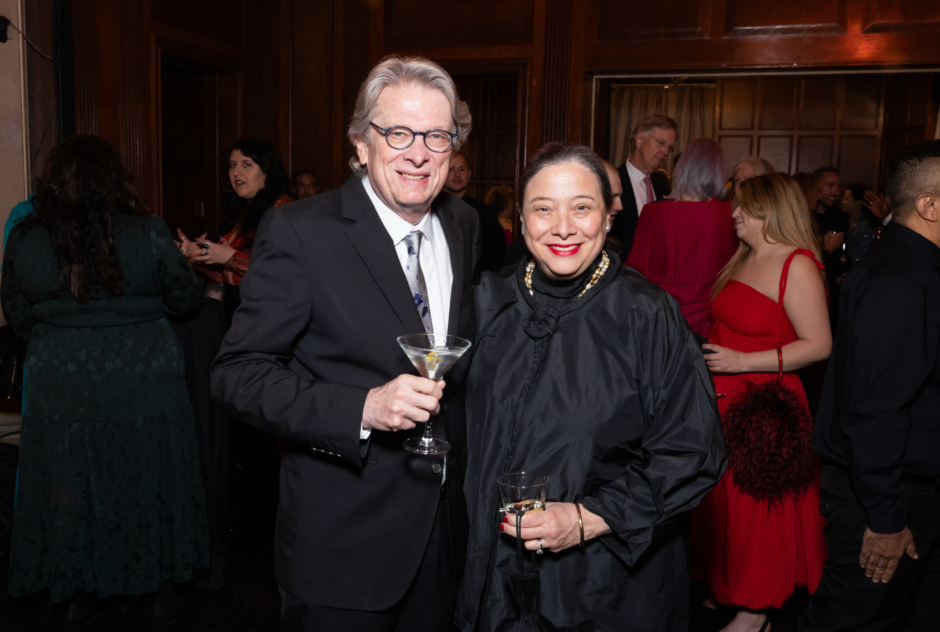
[587, 373]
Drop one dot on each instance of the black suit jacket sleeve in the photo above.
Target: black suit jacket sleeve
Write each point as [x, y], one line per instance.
[252, 378]
[882, 379]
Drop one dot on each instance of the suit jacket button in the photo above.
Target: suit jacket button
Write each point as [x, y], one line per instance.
[436, 468]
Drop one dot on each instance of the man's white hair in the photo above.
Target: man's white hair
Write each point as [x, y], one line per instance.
[393, 71]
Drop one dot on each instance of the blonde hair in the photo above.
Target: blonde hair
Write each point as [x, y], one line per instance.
[776, 200]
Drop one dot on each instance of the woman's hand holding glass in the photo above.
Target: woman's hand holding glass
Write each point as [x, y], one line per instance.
[557, 527]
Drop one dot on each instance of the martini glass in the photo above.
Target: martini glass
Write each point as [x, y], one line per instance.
[433, 355]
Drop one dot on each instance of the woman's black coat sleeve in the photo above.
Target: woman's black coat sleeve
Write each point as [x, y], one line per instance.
[683, 449]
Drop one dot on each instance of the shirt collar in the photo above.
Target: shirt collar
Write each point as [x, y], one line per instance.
[916, 242]
[635, 174]
[397, 227]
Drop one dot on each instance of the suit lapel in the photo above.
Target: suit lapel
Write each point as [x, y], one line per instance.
[455, 245]
[375, 247]
[628, 197]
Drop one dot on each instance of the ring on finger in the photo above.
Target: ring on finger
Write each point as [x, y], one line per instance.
[538, 551]
[205, 250]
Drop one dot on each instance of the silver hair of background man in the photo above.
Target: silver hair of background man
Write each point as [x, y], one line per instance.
[396, 70]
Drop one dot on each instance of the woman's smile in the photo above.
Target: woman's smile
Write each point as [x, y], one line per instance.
[564, 250]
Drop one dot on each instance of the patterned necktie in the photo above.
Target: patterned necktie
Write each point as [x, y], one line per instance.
[419, 290]
[650, 196]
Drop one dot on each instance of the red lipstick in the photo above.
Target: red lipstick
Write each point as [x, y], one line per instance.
[564, 250]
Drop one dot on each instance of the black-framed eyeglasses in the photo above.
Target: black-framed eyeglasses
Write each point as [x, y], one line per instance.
[398, 137]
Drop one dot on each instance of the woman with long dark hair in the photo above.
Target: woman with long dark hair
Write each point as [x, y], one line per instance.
[257, 182]
[110, 499]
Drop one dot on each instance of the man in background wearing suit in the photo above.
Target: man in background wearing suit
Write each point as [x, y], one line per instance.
[616, 188]
[369, 536]
[652, 140]
[492, 237]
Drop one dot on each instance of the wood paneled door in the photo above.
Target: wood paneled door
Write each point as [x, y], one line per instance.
[801, 123]
[494, 144]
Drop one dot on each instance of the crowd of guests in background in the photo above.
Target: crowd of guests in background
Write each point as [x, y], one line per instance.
[737, 363]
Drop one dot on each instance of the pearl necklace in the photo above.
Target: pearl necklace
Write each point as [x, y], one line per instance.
[598, 273]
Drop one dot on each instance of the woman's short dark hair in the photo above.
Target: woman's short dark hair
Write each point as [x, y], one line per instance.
[560, 153]
[246, 214]
[82, 189]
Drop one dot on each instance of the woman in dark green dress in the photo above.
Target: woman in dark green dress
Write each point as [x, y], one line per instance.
[110, 497]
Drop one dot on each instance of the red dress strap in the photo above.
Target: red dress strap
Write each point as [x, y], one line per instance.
[783, 290]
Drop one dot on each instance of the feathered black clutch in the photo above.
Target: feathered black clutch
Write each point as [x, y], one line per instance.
[769, 434]
[769, 430]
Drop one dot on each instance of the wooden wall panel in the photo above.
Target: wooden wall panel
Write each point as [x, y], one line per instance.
[778, 102]
[559, 18]
[85, 67]
[746, 18]
[749, 34]
[138, 124]
[886, 16]
[477, 23]
[819, 107]
[909, 112]
[763, 119]
[862, 96]
[670, 19]
[776, 150]
[737, 104]
[813, 152]
[215, 19]
[119, 46]
[312, 91]
[736, 147]
[858, 159]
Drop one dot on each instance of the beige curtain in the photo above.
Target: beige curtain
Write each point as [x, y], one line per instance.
[692, 107]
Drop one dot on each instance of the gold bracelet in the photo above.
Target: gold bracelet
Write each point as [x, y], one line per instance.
[580, 523]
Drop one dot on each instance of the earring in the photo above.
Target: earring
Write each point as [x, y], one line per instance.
[522, 228]
[608, 228]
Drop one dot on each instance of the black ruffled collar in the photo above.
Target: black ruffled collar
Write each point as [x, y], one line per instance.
[551, 299]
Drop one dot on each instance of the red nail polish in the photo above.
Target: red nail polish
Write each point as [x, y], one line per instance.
[505, 518]
[501, 528]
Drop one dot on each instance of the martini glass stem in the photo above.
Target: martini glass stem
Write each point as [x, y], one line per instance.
[426, 438]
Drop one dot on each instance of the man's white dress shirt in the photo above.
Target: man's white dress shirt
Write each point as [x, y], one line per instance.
[433, 256]
[639, 187]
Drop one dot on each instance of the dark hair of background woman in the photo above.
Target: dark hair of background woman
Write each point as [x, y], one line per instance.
[246, 214]
[82, 189]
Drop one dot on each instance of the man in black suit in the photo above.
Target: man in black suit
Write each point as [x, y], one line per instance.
[369, 536]
[878, 429]
[616, 188]
[493, 239]
[652, 140]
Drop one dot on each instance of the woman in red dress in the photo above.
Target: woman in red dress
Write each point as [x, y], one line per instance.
[681, 244]
[750, 552]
